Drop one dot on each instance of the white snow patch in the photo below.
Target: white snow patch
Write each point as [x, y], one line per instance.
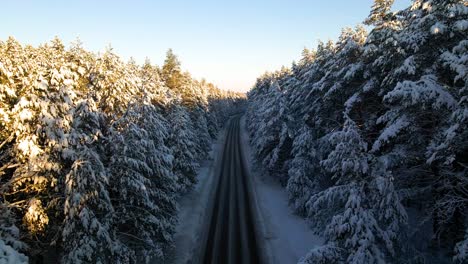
[8, 255]
[461, 25]
[438, 28]
[286, 237]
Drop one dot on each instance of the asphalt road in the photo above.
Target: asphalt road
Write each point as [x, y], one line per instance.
[231, 232]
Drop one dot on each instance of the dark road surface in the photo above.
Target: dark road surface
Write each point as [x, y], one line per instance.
[231, 231]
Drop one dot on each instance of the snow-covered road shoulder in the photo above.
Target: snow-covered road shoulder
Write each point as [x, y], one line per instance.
[286, 237]
[193, 207]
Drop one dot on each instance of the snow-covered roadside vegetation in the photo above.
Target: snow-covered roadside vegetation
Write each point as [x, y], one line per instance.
[94, 152]
[285, 237]
[194, 208]
[369, 136]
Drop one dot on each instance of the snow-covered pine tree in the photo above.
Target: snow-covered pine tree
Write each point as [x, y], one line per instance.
[404, 87]
[171, 72]
[304, 170]
[182, 142]
[63, 115]
[354, 234]
[40, 124]
[10, 244]
[461, 250]
[113, 85]
[88, 230]
[425, 98]
[11, 55]
[142, 185]
[271, 136]
[279, 157]
[200, 126]
[450, 148]
[380, 13]
[152, 87]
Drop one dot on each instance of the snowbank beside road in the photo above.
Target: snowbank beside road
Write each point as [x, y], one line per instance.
[193, 208]
[287, 237]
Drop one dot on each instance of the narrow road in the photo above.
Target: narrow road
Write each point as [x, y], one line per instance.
[231, 232]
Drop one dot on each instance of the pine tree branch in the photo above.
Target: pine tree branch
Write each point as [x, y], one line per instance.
[10, 138]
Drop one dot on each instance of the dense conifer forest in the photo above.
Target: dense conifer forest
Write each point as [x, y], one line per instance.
[94, 152]
[364, 139]
[369, 136]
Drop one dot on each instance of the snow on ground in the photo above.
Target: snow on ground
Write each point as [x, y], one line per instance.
[193, 208]
[287, 237]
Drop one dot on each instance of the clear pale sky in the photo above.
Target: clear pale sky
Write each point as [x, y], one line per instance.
[230, 43]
